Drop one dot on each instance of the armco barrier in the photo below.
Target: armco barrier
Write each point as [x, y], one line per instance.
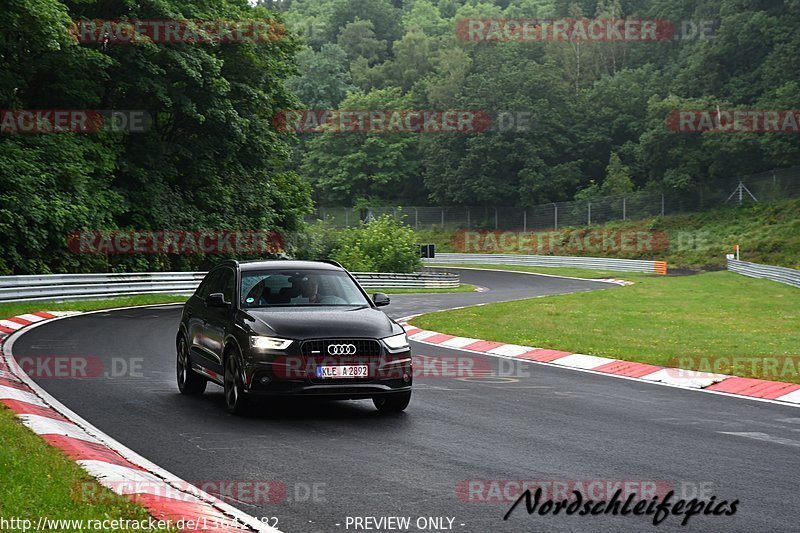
[785, 275]
[84, 286]
[596, 263]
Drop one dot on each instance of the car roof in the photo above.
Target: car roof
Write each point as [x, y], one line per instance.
[286, 264]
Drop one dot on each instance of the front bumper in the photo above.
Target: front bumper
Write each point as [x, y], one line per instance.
[295, 375]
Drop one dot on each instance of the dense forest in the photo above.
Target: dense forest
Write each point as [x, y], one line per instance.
[209, 160]
[597, 110]
[212, 156]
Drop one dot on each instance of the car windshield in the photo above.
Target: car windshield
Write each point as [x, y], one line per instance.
[289, 288]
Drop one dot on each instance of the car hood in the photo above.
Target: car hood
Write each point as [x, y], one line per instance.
[305, 323]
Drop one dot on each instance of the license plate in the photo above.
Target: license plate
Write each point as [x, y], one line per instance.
[348, 371]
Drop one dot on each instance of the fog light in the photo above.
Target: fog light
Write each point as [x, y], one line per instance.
[264, 380]
[406, 377]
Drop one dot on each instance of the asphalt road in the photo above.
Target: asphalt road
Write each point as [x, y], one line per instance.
[330, 461]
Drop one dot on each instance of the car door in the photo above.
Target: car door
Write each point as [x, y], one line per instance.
[202, 347]
[218, 319]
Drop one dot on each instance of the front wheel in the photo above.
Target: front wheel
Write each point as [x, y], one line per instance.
[189, 381]
[392, 403]
[235, 399]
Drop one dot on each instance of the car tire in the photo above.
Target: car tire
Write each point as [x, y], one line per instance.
[189, 382]
[392, 403]
[235, 398]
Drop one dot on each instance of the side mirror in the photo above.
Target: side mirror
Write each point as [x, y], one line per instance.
[216, 299]
[380, 299]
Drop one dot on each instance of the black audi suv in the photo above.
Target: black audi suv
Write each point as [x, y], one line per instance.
[293, 328]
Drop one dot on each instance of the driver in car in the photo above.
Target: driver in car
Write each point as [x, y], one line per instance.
[310, 288]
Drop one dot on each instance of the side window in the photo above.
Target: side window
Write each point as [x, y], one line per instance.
[227, 284]
[212, 283]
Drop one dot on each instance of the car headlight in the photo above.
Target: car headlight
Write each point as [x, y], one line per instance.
[397, 342]
[269, 343]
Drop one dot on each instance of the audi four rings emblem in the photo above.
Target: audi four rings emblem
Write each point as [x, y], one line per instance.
[341, 349]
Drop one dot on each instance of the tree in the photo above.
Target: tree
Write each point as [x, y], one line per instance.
[358, 39]
[324, 78]
[385, 17]
[345, 166]
[618, 177]
[210, 159]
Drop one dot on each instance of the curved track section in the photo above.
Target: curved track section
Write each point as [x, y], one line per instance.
[461, 439]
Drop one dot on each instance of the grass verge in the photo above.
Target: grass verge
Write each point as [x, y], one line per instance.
[696, 322]
[39, 481]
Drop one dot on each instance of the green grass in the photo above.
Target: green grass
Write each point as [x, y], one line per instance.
[658, 320]
[767, 233]
[18, 308]
[38, 480]
[464, 287]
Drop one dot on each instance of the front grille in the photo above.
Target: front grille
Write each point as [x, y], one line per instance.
[319, 348]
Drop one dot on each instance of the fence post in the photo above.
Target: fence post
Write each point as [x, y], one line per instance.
[496, 227]
[346, 218]
[589, 205]
[416, 218]
[555, 217]
[623, 208]
[662, 204]
[442, 218]
[468, 218]
[524, 220]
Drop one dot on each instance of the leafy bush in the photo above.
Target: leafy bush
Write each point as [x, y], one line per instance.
[383, 245]
[316, 241]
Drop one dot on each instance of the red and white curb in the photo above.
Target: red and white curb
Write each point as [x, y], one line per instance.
[164, 495]
[754, 389]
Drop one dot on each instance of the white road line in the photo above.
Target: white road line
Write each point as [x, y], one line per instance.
[763, 437]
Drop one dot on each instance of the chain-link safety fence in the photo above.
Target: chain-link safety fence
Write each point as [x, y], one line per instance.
[764, 187]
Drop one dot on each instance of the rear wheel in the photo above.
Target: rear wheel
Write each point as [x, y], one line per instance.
[392, 403]
[189, 381]
[235, 399]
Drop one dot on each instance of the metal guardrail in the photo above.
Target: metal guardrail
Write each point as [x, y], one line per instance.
[596, 263]
[785, 275]
[87, 286]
